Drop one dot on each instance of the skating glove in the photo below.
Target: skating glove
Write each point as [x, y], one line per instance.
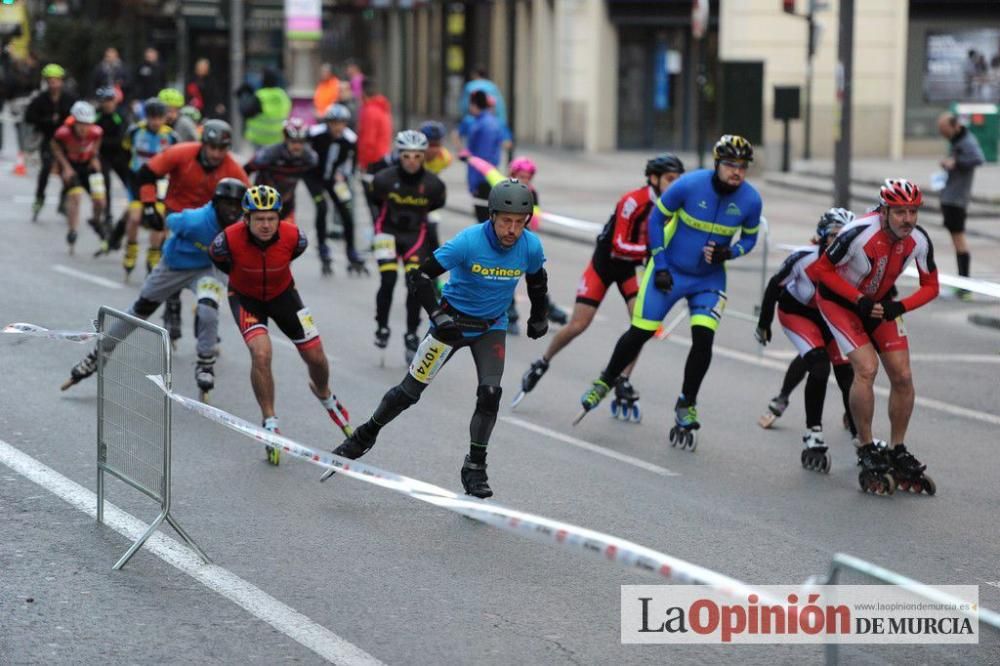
[151, 217]
[446, 329]
[892, 309]
[864, 306]
[719, 253]
[537, 327]
[763, 334]
[663, 280]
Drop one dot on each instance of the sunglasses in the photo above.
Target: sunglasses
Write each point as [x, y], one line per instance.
[732, 164]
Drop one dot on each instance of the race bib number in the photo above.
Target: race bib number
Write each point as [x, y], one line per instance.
[900, 327]
[343, 191]
[308, 325]
[385, 247]
[210, 288]
[96, 182]
[161, 188]
[430, 356]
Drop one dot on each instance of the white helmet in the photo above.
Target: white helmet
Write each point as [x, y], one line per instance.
[336, 113]
[410, 140]
[83, 112]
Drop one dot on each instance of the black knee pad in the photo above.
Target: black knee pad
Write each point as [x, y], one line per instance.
[144, 308]
[818, 361]
[488, 399]
[209, 302]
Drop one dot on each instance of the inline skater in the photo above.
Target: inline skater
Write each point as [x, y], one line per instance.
[794, 295]
[257, 295]
[336, 145]
[284, 164]
[76, 147]
[185, 265]
[114, 155]
[485, 261]
[183, 125]
[193, 169]
[405, 194]
[855, 277]
[144, 140]
[620, 250]
[690, 238]
[46, 112]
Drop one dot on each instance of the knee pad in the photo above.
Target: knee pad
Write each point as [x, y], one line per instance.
[488, 399]
[144, 308]
[209, 291]
[818, 361]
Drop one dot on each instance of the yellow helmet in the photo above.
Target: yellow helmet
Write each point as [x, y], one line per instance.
[733, 147]
[261, 197]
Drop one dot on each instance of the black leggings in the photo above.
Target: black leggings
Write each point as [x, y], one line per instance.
[695, 369]
[318, 189]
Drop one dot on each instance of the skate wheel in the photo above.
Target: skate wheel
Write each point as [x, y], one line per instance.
[636, 414]
[614, 409]
[826, 463]
[692, 440]
[916, 487]
[929, 487]
[673, 437]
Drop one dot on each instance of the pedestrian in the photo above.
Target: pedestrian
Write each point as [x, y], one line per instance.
[483, 139]
[266, 112]
[149, 78]
[46, 113]
[374, 125]
[203, 93]
[964, 155]
[110, 72]
[355, 78]
[327, 90]
[480, 81]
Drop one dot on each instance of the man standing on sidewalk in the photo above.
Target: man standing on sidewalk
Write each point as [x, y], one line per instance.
[964, 155]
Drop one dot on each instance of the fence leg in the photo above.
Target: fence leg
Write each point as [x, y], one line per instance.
[189, 540]
[138, 544]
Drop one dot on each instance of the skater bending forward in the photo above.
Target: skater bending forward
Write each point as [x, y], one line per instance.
[485, 261]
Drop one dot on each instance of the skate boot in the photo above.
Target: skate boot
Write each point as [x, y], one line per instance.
[355, 264]
[382, 337]
[172, 320]
[684, 434]
[775, 409]
[153, 256]
[36, 208]
[204, 375]
[556, 314]
[326, 262]
[273, 452]
[592, 398]
[908, 472]
[357, 444]
[474, 479]
[98, 228]
[530, 379]
[337, 412]
[411, 342]
[71, 239]
[625, 405]
[814, 453]
[85, 368]
[131, 256]
[874, 477]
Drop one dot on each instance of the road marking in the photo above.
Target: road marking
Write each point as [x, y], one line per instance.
[258, 603]
[922, 358]
[72, 272]
[587, 446]
[939, 405]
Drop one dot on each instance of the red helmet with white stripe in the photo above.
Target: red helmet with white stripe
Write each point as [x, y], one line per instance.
[900, 192]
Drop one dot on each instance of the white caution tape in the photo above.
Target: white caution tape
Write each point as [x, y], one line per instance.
[40, 332]
[550, 531]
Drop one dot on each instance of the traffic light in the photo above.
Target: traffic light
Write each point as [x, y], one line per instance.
[788, 6]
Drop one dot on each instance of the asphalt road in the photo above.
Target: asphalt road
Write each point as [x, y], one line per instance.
[408, 583]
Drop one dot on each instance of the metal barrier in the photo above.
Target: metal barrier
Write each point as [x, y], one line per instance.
[133, 416]
[842, 561]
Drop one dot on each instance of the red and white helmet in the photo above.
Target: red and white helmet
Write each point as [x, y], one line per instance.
[296, 129]
[523, 164]
[900, 192]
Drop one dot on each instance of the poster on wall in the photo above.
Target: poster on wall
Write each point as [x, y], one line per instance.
[303, 20]
[963, 66]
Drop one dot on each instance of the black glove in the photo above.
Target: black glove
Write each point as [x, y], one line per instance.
[720, 253]
[763, 333]
[151, 217]
[446, 329]
[537, 327]
[864, 306]
[663, 280]
[892, 309]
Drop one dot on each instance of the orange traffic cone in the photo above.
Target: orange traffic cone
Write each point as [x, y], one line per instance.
[19, 167]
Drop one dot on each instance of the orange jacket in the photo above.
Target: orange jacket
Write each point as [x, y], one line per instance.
[191, 185]
[327, 92]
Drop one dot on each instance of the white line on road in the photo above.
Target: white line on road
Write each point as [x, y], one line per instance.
[285, 619]
[917, 357]
[587, 446]
[946, 407]
[72, 272]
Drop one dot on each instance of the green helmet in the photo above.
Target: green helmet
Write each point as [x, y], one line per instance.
[511, 196]
[172, 97]
[53, 71]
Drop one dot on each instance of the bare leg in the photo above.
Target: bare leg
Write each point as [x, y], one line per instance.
[319, 370]
[260, 374]
[73, 210]
[901, 395]
[583, 315]
[864, 361]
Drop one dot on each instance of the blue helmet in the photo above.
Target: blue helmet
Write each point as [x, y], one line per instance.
[433, 130]
[261, 197]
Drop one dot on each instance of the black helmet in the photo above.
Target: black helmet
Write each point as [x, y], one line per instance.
[154, 108]
[228, 199]
[511, 196]
[664, 163]
[733, 147]
[217, 133]
[229, 188]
